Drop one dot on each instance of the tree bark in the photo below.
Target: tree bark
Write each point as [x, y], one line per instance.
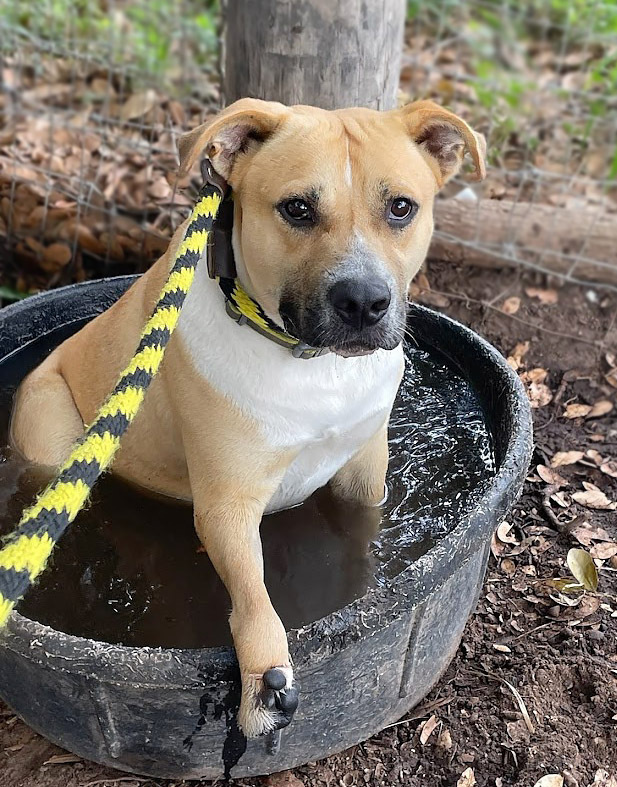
[577, 244]
[328, 53]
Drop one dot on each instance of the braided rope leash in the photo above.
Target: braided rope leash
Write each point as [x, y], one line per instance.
[27, 550]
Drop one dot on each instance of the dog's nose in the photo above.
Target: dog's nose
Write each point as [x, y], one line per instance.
[360, 302]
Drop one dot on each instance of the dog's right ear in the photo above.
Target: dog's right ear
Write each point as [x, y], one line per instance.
[243, 124]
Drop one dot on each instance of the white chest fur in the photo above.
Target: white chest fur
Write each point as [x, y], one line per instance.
[324, 408]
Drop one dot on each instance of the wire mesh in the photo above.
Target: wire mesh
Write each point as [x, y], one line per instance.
[95, 93]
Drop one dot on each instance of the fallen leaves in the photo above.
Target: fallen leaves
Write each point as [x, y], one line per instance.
[550, 476]
[583, 568]
[600, 408]
[594, 497]
[603, 778]
[467, 779]
[576, 410]
[604, 550]
[597, 410]
[546, 297]
[563, 458]
[515, 358]
[62, 759]
[586, 533]
[538, 392]
[427, 729]
[550, 780]
[138, 105]
[511, 305]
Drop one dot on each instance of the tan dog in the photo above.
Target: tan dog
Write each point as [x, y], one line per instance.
[333, 218]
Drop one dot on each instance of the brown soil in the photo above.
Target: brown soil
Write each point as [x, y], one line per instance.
[562, 659]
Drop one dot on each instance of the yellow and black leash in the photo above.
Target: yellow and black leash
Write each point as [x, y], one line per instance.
[26, 551]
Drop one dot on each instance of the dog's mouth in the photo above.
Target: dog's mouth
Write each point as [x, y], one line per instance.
[352, 350]
[319, 327]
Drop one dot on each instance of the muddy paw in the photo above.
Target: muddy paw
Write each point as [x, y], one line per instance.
[269, 702]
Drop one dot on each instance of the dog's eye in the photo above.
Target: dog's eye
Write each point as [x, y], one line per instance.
[297, 211]
[401, 211]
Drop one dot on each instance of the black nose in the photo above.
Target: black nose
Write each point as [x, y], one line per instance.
[360, 302]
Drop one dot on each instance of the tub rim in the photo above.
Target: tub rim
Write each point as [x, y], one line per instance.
[173, 667]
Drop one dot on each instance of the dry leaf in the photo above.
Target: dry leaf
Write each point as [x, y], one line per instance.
[57, 254]
[544, 296]
[518, 732]
[588, 606]
[445, 740]
[604, 550]
[550, 476]
[577, 411]
[564, 585]
[562, 458]
[62, 759]
[539, 395]
[503, 533]
[609, 468]
[586, 534]
[537, 375]
[467, 779]
[583, 568]
[593, 497]
[511, 305]
[427, 729]
[600, 408]
[595, 456]
[603, 778]
[550, 780]
[515, 359]
[508, 567]
[137, 105]
[560, 499]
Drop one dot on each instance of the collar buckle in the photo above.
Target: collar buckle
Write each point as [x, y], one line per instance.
[306, 351]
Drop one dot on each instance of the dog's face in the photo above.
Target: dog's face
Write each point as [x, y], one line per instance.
[333, 210]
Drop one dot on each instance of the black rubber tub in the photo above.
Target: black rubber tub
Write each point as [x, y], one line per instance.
[171, 712]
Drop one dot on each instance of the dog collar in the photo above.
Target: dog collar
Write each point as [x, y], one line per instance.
[222, 266]
[245, 311]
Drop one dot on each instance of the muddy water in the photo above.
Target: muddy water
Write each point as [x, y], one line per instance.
[130, 569]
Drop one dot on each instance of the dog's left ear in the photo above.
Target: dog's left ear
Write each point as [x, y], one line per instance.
[444, 137]
[237, 129]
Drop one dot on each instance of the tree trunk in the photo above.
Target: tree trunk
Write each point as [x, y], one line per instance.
[328, 53]
[577, 244]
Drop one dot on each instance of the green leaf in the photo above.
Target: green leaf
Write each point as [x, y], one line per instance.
[583, 568]
[9, 294]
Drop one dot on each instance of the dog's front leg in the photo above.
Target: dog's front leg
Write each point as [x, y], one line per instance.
[229, 530]
[363, 479]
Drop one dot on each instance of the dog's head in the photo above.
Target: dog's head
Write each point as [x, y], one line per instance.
[333, 210]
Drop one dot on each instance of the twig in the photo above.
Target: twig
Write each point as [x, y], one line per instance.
[423, 710]
[526, 633]
[515, 692]
[550, 515]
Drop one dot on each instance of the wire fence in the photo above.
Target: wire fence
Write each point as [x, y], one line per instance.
[540, 80]
[94, 95]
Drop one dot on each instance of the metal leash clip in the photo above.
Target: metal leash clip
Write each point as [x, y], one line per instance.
[219, 251]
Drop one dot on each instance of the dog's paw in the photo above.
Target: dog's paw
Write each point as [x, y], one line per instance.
[269, 702]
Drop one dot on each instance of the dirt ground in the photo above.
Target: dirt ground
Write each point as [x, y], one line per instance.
[556, 650]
